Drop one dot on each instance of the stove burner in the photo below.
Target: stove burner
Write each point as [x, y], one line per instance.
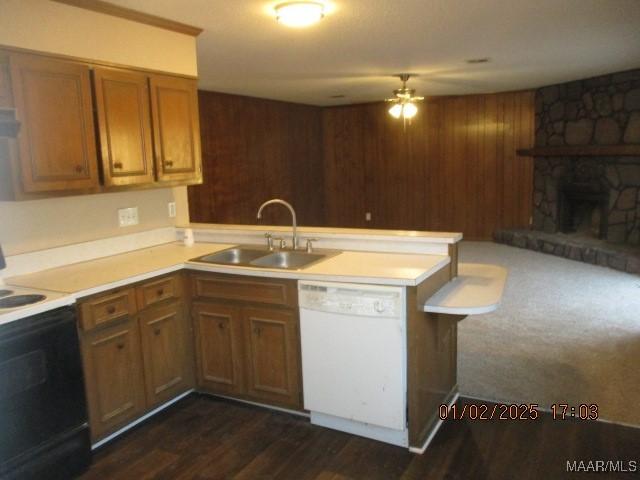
[4, 293]
[20, 300]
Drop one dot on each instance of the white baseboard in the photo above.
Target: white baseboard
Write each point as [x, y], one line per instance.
[256, 404]
[436, 427]
[139, 420]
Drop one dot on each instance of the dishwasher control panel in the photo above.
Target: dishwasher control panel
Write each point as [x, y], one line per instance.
[352, 299]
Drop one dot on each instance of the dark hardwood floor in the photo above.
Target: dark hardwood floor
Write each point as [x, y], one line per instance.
[207, 438]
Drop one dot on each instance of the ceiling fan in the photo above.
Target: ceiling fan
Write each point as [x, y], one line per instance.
[404, 100]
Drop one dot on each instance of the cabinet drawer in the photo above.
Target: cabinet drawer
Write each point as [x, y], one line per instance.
[106, 308]
[156, 291]
[246, 289]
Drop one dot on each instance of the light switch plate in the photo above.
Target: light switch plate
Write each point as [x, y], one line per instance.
[172, 209]
[367, 216]
[128, 217]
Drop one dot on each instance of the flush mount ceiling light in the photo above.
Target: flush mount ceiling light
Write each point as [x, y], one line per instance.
[404, 101]
[299, 14]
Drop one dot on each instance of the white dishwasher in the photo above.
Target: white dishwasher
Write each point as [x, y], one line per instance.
[354, 358]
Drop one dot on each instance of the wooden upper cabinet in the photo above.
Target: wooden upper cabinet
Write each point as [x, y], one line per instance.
[57, 147]
[124, 125]
[176, 129]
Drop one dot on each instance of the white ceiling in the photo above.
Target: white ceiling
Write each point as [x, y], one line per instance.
[356, 48]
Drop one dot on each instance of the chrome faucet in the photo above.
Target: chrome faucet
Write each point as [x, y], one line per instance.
[294, 239]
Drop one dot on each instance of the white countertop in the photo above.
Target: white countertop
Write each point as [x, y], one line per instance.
[350, 267]
[477, 289]
[94, 276]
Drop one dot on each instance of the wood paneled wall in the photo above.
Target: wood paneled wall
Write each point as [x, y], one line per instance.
[254, 150]
[454, 168]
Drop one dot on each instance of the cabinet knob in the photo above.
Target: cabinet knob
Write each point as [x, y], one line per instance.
[111, 309]
[168, 163]
[160, 292]
[120, 346]
[117, 165]
[221, 325]
[79, 169]
[257, 331]
[156, 331]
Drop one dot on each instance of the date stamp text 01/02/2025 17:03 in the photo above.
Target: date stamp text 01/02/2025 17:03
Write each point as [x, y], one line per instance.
[524, 411]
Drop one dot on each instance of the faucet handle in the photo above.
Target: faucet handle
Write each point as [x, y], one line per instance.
[269, 238]
[310, 244]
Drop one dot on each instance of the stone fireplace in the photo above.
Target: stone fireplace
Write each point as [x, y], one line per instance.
[583, 208]
[591, 197]
[589, 194]
[586, 192]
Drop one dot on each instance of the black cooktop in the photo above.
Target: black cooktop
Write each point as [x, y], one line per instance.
[20, 300]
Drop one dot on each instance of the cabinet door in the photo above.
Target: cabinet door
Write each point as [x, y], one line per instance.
[176, 129]
[168, 365]
[273, 356]
[124, 123]
[56, 139]
[113, 376]
[219, 349]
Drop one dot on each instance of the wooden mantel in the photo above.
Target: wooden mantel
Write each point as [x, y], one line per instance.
[581, 151]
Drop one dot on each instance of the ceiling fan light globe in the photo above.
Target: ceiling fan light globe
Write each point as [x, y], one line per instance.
[396, 110]
[410, 110]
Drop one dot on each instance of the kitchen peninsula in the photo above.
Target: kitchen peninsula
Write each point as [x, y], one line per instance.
[183, 307]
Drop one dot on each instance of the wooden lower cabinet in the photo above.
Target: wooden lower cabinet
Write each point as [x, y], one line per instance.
[168, 369]
[273, 370]
[113, 376]
[137, 354]
[219, 347]
[247, 338]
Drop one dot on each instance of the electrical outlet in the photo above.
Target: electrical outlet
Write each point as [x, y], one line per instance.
[367, 216]
[128, 217]
[172, 209]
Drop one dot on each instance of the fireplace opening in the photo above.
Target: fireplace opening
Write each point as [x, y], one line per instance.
[583, 209]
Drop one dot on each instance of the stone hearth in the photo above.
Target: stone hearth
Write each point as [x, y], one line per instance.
[574, 247]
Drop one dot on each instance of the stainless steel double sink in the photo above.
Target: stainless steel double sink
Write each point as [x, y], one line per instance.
[255, 256]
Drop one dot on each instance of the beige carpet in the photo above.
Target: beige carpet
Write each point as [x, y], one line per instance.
[566, 332]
